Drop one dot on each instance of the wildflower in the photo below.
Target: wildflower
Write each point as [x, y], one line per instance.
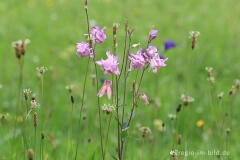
[137, 61]
[108, 109]
[209, 71]
[26, 93]
[144, 98]
[41, 70]
[220, 95]
[172, 116]
[157, 62]
[110, 65]
[149, 53]
[20, 47]
[228, 130]
[159, 125]
[97, 34]
[194, 35]
[106, 89]
[152, 35]
[211, 79]
[84, 50]
[200, 123]
[69, 88]
[145, 131]
[34, 104]
[237, 83]
[186, 99]
[169, 44]
[232, 91]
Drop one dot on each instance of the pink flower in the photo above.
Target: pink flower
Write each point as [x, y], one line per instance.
[157, 62]
[149, 53]
[110, 65]
[83, 50]
[106, 89]
[98, 34]
[153, 35]
[144, 98]
[137, 61]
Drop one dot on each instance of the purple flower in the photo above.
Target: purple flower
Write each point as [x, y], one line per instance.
[98, 34]
[169, 44]
[110, 65]
[157, 62]
[83, 50]
[152, 35]
[106, 89]
[137, 61]
[149, 53]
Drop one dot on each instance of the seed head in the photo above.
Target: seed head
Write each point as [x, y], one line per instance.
[186, 99]
[237, 83]
[145, 131]
[26, 93]
[20, 47]
[179, 139]
[107, 108]
[35, 119]
[220, 95]
[172, 116]
[30, 154]
[41, 70]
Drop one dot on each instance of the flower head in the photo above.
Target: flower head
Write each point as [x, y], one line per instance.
[144, 98]
[186, 99]
[98, 34]
[157, 62]
[20, 47]
[110, 65]
[41, 70]
[150, 52]
[137, 60]
[26, 93]
[200, 123]
[84, 50]
[152, 35]
[108, 109]
[169, 44]
[106, 89]
[145, 131]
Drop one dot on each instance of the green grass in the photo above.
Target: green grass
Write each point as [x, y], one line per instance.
[54, 27]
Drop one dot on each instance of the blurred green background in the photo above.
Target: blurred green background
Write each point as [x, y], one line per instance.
[55, 26]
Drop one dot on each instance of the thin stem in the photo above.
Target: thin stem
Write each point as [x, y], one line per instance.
[108, 128]
[118, 123]
[82, 103]
[125, 47]
[135, 103]
[99, 111]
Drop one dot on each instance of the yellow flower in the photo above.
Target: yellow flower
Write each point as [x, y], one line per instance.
[200, 123]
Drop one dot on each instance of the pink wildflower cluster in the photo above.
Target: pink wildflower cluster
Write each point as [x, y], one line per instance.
[148, 56]
[97, 35]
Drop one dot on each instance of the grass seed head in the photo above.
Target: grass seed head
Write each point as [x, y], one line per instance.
[30, 154]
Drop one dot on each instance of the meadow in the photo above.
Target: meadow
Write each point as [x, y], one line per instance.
[202, 125]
